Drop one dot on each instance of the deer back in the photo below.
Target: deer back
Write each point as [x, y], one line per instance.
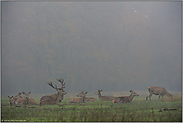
[90, 99]
[21, 101]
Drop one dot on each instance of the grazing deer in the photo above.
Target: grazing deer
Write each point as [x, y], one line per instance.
[54, 98]
[124, 99]
[104, 98]
[29, 100]
[158, 91]
[79, 100]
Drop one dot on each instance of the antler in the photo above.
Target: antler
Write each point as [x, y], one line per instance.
[62, 82]
[55, 87]
[50, 84]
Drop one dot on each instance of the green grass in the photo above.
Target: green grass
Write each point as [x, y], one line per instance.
[137, 110]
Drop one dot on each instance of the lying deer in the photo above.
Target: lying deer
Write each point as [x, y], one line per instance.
[18, 100]
[12, 99]
[104, 98]
[158, 91]
[54, 98]
[29, 100]
[124, 99]
[79, 100]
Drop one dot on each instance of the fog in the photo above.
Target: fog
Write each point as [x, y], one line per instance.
[114, 46]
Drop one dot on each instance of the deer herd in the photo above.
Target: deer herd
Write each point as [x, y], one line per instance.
[58, 97]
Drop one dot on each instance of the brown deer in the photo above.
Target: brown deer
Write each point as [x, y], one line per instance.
[11, 100]
[90, 99]
[29, 100]
[158, 91]
[18, 100]
[124, 99]
[104, 98]
[79, 100]
[54, 98]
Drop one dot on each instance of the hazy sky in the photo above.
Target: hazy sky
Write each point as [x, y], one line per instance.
[114, 46]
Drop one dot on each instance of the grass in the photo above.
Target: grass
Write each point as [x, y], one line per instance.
[105, 111]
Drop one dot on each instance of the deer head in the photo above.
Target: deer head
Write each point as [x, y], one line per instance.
[58, 89]
[133, 93]
[11, 100]
[98, 92]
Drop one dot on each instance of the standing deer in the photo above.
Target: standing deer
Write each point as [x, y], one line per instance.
[104, 98]
[54, 98]
[29, 100]
[79, 100]
[158, 91]
[124, 99]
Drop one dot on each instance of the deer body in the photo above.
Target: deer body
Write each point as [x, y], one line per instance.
[124, 99]
[79, 100]
[104, 98]
[51, 100]
[90, 99]
[158, 91]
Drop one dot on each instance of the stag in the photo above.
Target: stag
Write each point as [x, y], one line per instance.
[79, 100]
[104, 98]
[54, 98]
[158, 91]
[124, 99]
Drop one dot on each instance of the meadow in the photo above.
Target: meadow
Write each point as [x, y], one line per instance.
[138, 110]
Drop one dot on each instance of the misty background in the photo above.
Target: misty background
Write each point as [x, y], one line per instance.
[114, 46]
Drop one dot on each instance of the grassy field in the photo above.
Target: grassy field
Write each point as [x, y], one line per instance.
[137, 110]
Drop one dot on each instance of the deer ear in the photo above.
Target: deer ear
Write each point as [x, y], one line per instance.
[23, 92]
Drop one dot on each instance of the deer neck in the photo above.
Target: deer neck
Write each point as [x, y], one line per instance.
[130, 98]
[84, 98]
[99, 95]
[168, 94]
[27, 100]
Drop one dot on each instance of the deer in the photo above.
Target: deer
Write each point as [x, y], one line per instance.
[79, 100]
[29, 100]
[104, 98]
[18, 100]
[124, 99]
[54, 98]
[158, 91]
[11, 100]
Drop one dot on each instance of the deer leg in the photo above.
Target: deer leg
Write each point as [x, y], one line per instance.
[149, 97]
